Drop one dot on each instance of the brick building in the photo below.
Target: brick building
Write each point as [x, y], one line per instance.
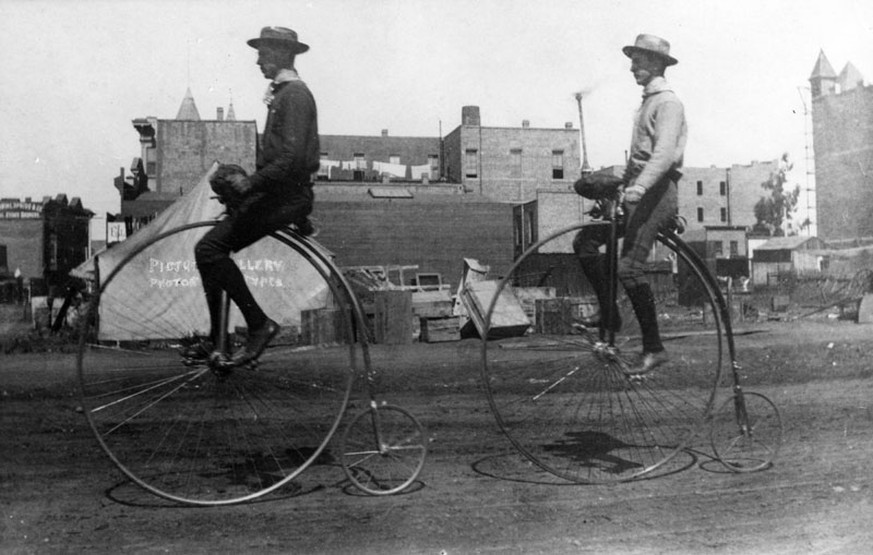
[431, 227]
[175, 153]
[520, 176]
[44, 239]
[518, 164]
[842, 122]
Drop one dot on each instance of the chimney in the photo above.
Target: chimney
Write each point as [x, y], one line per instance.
[219, 114]
[470, 115]
[525, 123]
[568, 125]
[384, 132]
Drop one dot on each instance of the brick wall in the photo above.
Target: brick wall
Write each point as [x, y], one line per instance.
[436, 234]
[710, 198]
[746, 190]
[559, 208]
[501, 179]
[24, 246]
[188, 148]
[843, 145]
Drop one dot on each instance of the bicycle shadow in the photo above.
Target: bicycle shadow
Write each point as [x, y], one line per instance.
[594, 450]
[253, 473]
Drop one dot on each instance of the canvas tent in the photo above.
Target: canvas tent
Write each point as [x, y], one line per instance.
[158, 294]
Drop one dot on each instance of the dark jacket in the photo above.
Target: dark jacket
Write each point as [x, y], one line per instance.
[288, 152]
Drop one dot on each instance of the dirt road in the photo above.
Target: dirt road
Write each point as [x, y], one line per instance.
[476, 495]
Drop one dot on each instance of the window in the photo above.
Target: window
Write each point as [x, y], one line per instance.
[531, 228]
[717, 248]
[394, 159]
[557, 164]
[700, 188]
[723, 214]
[735, 249]
[53, 252]
[699, 214]
[471, 162]
[722, 188]
[515, 162]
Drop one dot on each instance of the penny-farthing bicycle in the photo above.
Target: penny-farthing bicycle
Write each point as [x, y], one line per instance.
[563, 397]
[205, 435]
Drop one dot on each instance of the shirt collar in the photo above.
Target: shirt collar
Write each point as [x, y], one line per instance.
[656, 85]
[285, 75]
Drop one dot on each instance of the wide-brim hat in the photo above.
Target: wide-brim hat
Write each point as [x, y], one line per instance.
[281, 37]
[652, 45]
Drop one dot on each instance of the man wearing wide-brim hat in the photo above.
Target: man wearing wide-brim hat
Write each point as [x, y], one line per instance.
[278, 194]
[650, 196]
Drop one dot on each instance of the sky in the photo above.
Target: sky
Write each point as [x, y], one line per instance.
[73, 74]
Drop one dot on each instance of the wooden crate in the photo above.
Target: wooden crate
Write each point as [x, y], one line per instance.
[393, 317]
[528, 296]
[435, 330]
[321, 326]
[432, 304]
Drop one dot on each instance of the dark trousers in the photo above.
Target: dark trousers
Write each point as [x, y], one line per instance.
[262, 215]
[642, 221]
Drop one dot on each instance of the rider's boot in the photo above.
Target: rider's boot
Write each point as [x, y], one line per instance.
[256, 344]
[653, 355]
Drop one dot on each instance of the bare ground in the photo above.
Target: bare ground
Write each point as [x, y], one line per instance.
[61, 494]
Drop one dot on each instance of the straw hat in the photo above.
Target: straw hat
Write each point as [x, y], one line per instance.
[279, 36]
[652, 45]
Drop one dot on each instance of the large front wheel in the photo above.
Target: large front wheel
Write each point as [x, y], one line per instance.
[195, 434]
[562, 396]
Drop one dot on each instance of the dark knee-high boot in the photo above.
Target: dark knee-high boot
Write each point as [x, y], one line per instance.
[653, 354]
[213, 301]
[643, 302]
[226, 275]
[594, 268]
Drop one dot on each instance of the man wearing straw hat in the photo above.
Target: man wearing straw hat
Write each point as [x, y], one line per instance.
[279, 193]
[650, 195]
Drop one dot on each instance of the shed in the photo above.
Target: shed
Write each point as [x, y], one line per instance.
[780, 255]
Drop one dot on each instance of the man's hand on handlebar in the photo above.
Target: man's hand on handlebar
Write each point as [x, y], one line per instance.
[634, 193]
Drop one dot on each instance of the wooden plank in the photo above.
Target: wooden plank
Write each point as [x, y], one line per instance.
[507, 320]
[435, 330]
[432, 304]
[393, 317]
[528, 296]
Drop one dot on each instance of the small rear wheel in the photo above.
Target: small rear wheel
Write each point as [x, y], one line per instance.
[383, 450]
[746, 432]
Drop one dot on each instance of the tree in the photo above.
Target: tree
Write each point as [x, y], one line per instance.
[772, 211]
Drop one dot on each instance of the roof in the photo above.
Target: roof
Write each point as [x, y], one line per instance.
[850, 78]
[823, 68]
[188, 109]
[785, 243]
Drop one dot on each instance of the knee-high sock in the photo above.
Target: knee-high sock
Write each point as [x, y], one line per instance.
[643, 301]
[225, 274]
[213, 301]
[594, 268]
